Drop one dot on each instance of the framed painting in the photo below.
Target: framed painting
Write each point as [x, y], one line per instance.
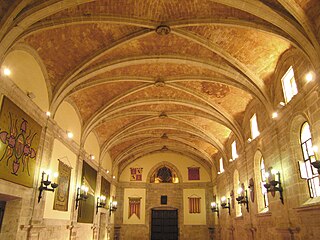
[19, 142]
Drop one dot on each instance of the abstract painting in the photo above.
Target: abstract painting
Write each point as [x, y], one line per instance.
[19, 141]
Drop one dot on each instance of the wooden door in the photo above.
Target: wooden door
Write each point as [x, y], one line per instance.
[164, 225]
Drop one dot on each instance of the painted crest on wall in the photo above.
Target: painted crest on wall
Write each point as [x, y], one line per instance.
[19, 141]
[136, 174]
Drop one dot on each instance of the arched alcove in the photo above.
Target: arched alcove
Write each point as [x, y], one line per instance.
[68, 119]
[29, 76]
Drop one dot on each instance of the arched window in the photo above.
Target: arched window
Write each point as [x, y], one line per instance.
[164, 174]
[263, 181]
[307, 171]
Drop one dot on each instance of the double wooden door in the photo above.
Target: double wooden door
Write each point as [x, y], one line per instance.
[164, 225]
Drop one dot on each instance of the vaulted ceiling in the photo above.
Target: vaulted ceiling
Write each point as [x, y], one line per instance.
[159, 75]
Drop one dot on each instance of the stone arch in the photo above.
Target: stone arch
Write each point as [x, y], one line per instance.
[161, 164]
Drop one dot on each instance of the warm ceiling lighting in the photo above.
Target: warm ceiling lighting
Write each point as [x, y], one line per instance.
[309, 77]
[315, 148]
[114, 177]
[108, 171]
[69, 134]
[48, 113]
[274, 115]
[92, 157]
[6, 71]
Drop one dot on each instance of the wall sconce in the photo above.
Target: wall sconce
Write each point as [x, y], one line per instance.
[274, 183]
[316, 164]
[45, 182]
[82, 194]
[243, 197]
[113, 206]
[225, 204]
[101, 203]
[215, 208]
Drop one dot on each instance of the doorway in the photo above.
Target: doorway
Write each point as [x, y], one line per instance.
[164, 225]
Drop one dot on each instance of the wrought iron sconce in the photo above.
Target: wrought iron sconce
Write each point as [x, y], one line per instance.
[101, 203]
[82, 194]
[316, 164]
[45, 183]
[113, 206]
[215, 208]
[243, 197]
[225, 204]
[274, 183]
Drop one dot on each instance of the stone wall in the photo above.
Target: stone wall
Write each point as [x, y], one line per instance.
[279, 144]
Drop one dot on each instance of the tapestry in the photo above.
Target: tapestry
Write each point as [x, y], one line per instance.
[193, 173]
[136, 174]
[134, 206]
[19, 141]
[194, 204]
[87, 208]
[61, 196]
[105, 189]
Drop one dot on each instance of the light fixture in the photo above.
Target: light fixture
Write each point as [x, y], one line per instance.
[243, 197]
[6, 71]
[274, 115]
[114, 177]
[249, 140]
[273, 183]
[69, 134]
[112, 206]
[101, 203]
[82, 194]
[316, 164]
[309, 77]
[215, 207]
[48, 114]
[230, 160]
[108, 171]
[92, 157]
[45, 183]
[225, 203]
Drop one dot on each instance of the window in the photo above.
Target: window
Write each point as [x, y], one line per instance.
[254, 127]
[221, 169]
[307, 171]
[263, 182]
[234, 150]
[289, 85]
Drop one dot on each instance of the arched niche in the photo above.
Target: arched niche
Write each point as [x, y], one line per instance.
[67, 118]
[29, 76]
[91, 146]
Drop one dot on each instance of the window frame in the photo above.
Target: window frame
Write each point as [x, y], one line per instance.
[308, 156]
[289, 85]
[254, 126]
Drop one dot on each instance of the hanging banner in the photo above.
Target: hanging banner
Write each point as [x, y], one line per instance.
[61, 196]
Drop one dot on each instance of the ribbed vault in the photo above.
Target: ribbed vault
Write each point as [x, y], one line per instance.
[148, 76]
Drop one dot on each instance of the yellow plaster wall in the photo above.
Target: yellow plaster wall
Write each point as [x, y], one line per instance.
[181, 162]
[60, 151]
[194, 218]
[67, 118]
[129, 192]
[106, 163]
[91, 146]
[27, 74]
